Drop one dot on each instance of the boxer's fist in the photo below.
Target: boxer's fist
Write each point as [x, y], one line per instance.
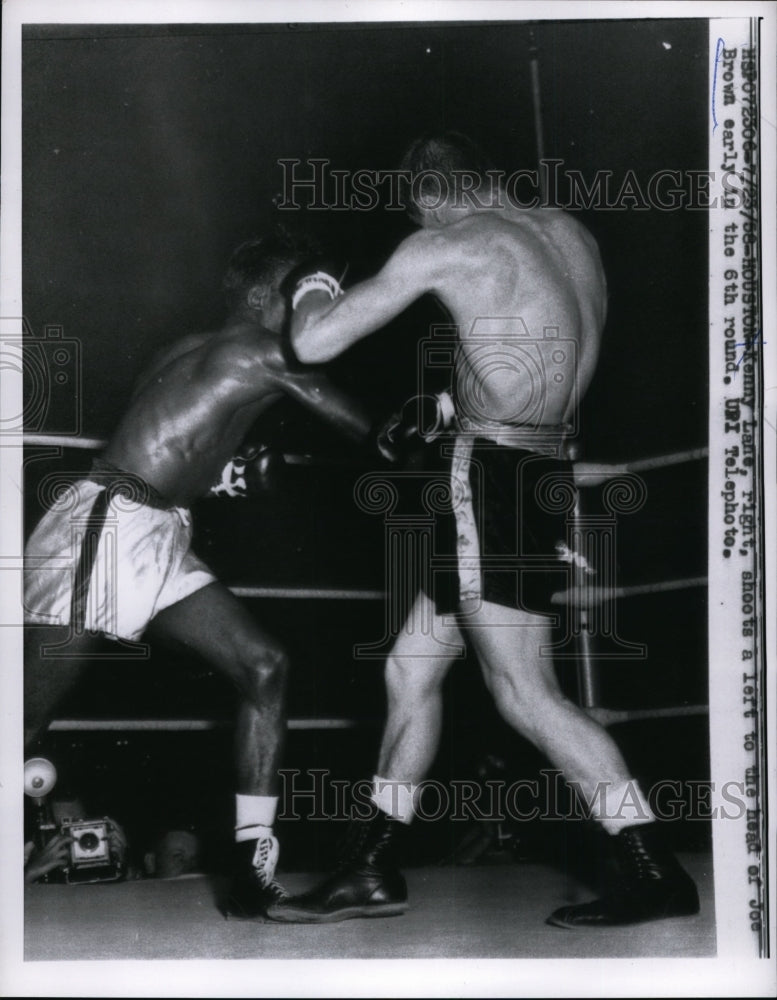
[254, 470]
[321, 275]
[421, 418]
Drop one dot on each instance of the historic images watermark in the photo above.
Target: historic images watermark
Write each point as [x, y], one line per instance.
[49, 367]
[316, 795]
[313, 184]
[51, 370]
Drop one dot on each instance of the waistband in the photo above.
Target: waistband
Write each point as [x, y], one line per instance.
[550, 439]
[115, 480]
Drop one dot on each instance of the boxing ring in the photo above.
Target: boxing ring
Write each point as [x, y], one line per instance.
[153, 919]
[586, 603]
[118, 739]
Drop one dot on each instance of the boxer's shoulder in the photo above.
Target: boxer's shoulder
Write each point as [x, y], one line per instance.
[442, 246]
[245, 345]
[242, 357]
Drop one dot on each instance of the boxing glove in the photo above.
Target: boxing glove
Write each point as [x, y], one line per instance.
[424, 417]
[315, 276]
[252, 471]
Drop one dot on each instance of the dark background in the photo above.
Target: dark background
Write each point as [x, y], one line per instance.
[151, 151]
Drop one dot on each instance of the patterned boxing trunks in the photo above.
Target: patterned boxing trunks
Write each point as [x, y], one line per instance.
[108, 555]
[502, 538]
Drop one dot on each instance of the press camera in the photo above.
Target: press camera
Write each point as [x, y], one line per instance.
[97, 848]
[94, 852]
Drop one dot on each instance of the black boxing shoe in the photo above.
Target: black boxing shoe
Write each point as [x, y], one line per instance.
[653, 886]
[367, 882]
[253, 888]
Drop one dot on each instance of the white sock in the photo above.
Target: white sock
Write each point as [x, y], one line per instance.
[255, 816]
[621, 806]
[395, 798]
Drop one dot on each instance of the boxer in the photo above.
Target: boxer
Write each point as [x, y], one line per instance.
[527, 294]
[131, 569]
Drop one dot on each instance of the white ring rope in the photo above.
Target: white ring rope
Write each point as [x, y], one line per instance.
[586, 474]
[612, 716]
[95, 444]
[604, 716]
[593, 473]
[314, 593]
[586, 596]
[188, 725]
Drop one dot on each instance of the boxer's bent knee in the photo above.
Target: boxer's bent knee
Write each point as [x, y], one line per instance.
[528, 703]
[414, 677]
[263, 671]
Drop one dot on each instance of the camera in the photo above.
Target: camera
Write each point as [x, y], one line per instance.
[50, 369]
[94, 853]
[97, 849]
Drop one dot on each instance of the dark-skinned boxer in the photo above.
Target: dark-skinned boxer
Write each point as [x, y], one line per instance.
[134, 568]
[526, 291]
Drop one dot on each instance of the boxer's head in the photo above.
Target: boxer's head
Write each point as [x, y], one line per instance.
[176, 853]
[252, 283]
[445, 171]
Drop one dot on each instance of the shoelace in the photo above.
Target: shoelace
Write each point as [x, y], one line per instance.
[266, 859]
[644, 865]
[276, 892]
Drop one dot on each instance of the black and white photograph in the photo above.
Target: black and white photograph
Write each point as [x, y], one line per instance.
[387, 447]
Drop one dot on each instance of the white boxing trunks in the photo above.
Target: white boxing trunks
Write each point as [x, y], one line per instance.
[108, 555]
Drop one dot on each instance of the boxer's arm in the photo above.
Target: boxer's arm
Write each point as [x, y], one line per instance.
[322, 328]
[313, 390]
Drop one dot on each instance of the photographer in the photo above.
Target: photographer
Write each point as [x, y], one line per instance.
[53, 857]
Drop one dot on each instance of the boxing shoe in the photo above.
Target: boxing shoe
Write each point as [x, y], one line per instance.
[366, 882]
[253, 888]
[653, 885]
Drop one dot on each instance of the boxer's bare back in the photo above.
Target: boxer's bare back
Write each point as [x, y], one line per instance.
[192, 409]
[514, 282]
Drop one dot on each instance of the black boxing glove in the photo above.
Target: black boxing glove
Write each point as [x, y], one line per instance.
[420, 418]
[251, 471]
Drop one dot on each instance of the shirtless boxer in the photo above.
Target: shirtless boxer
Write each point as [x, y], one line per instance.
[189, 414]
[527, 293]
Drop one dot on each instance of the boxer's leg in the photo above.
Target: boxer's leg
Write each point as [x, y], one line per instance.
[368, 882]
[48, 677]
[524, 686]
[415, 670]
[526, 692]
[213, 624]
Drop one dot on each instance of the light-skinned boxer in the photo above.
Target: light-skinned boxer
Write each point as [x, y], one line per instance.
[526, 291]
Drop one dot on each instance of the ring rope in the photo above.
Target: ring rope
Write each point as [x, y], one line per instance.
[605, 716]
[612, 716]
[586, 473]
[311, 593]
[587, 595]
[189, 725]
[594, 473]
